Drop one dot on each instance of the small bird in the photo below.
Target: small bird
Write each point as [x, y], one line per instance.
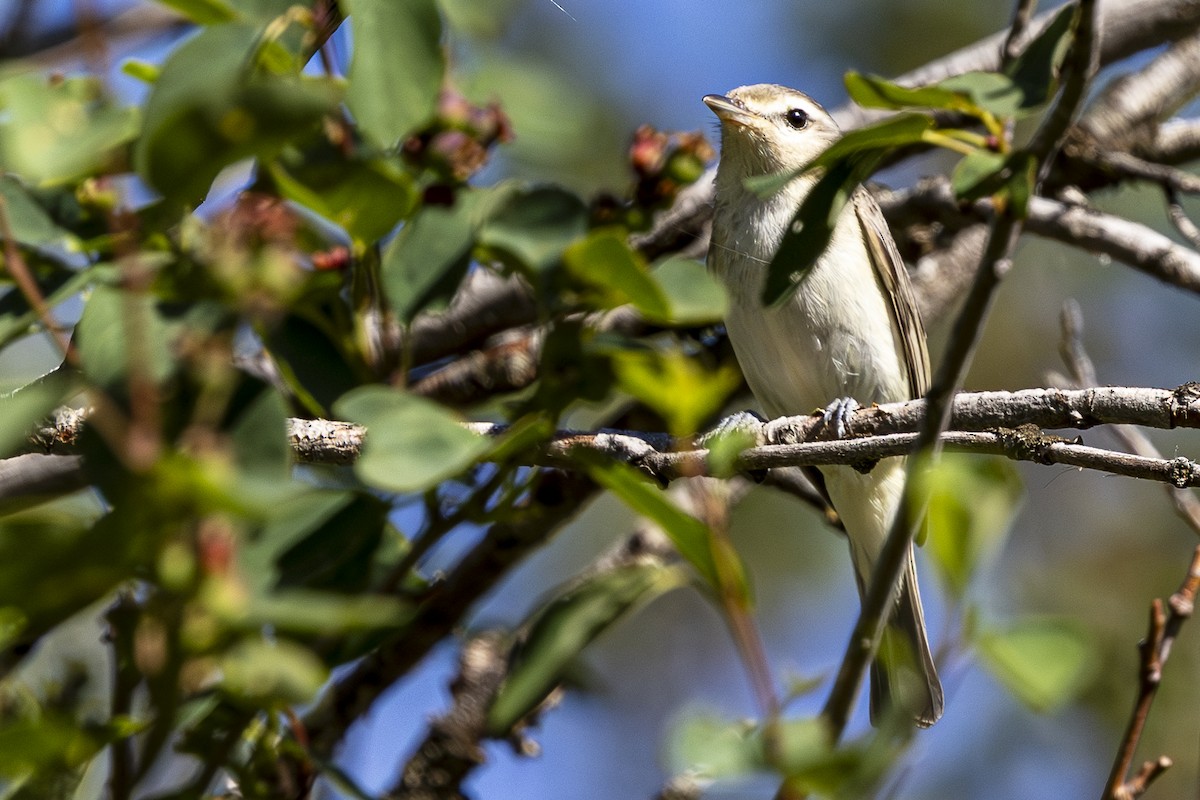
[849, 332]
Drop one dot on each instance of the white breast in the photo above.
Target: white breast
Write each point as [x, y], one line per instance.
[833, 337]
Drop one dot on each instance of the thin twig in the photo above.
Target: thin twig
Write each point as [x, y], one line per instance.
[28, 287]
[1155, 650]
[1022, 14]
[1180, 219]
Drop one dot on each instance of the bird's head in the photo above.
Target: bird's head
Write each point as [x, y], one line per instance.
[768, 128]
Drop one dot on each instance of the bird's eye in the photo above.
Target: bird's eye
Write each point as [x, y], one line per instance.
[796, 117]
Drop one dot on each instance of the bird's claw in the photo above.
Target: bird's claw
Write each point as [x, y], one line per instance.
[837, 415]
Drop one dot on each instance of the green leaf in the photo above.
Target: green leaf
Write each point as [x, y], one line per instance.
[53, 564]
[31, 225]
[57, 132]
[681, 389]
[1021, 184]
[272, 674]
[412, 443]
[1044, 662]
[143, 71]
[102, 336]
[302, 612]
[978, 170]
[1035, 70]
[695, 297]
[534, 226]
[315, 358]
[366, 198]
[724, 448]
[203, 12]
[397, 66]
[210, 108]
[604, 261]
[812, 227]
[712, 747]
[872, 91]
[560, 631]
[971, 503]
[336, 550]
[426, 261]
[990, 91]
[689, 535]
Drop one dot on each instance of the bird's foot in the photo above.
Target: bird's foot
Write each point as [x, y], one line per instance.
[746, 423]
[837, 415]
[746, 426]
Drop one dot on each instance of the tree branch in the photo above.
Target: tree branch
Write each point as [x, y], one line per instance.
[1155, 650]
[1141, 247]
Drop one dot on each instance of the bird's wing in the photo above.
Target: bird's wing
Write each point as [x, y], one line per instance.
[893, 277]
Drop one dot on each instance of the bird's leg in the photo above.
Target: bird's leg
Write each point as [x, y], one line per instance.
[837, 415]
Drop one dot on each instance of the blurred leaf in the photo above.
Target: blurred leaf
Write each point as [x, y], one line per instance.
[1044, 662]
[424, 264]
[1035, 70]
[58, 131]
[573, 368]
[971, 503]
[560, 630]
[259, 436]
[143, 71]
[336, 553]
[535, 225]
[299, 611]
[203, 12]
[678, 387]
[54, 564]
[103, 331]
[1022, 184]
[45, 747]
[30, 224]
[695, 297]
[412, 443]
[604, 261]
[566, 131]
[396, 68]
[990, 91]
[366, 198]
[271, 674]
[977, 170]
[21, 410]
[315, 361]
[208, 109]
[711, 747]
[724, 448]
[689, 535]
[811, 763]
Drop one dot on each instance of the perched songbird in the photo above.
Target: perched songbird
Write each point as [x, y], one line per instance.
[849, 333]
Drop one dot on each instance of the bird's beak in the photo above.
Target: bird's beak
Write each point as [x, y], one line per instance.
[728, 109]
